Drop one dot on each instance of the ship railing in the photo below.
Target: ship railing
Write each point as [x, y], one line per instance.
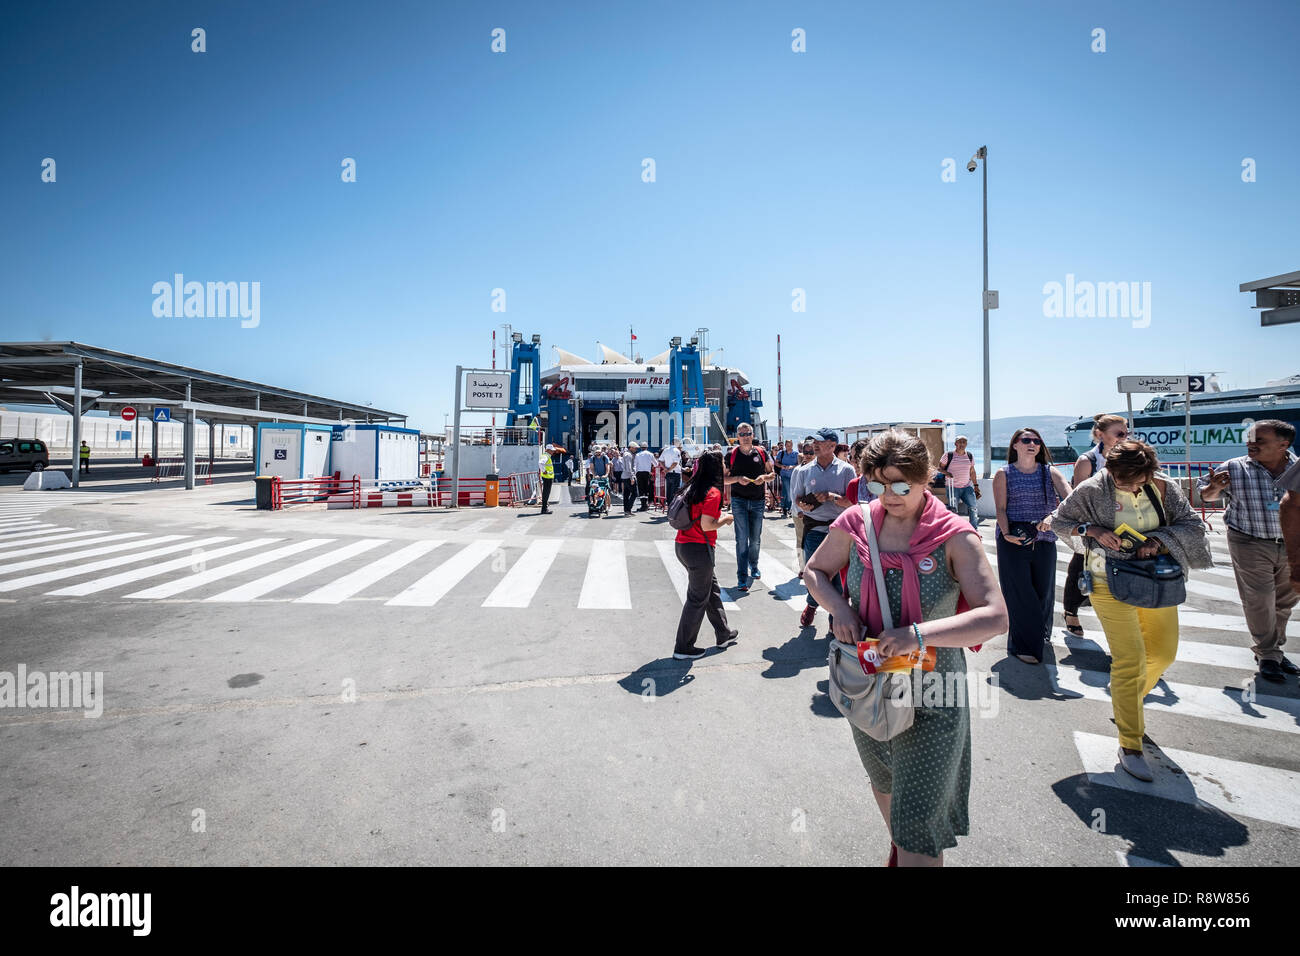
[1187, 474]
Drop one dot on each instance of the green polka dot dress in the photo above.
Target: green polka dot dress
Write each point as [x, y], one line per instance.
[927, 767]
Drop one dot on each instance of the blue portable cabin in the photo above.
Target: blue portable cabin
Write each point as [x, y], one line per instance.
[293, 450]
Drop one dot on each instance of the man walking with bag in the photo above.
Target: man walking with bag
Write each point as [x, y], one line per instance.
[1251, 485]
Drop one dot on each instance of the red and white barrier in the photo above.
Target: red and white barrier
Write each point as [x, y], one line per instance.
[385, 499]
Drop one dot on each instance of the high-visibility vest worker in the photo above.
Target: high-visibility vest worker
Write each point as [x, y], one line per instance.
[548, 467]
[85, 451]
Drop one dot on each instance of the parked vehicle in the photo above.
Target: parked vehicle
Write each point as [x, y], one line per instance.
[23, 454]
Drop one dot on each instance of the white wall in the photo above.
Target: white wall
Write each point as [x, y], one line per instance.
[476, 460]
[55, 429]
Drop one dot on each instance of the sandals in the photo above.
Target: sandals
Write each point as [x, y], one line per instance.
[1076, 628]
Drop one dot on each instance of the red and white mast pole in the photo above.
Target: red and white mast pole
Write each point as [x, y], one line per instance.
[780, 419]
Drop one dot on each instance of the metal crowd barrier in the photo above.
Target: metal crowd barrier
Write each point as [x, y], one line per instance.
[175, 468]
[296, 491]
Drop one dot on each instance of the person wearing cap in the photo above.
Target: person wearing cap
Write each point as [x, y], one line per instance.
[818, 490]
[548, 476]
[958, 468]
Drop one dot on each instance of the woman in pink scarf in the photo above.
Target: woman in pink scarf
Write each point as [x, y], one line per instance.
[942, 591]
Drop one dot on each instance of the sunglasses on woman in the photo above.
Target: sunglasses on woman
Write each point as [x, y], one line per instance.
[900, 488]
[1026, 440]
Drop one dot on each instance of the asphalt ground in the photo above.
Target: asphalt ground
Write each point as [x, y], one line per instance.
[268, 730]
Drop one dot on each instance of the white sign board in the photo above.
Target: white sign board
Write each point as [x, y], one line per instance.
[699, 418]
[487, 390]
[991, 299]
[1162, 383]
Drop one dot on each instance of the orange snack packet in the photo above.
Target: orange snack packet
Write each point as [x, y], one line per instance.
[873, 663]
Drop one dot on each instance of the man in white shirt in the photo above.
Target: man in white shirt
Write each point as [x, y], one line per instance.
[671, 459]
[645, 466]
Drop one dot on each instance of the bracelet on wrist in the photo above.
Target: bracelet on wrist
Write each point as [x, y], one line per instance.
[920, 640]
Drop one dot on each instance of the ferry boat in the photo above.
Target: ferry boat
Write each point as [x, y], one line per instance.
[1219, 421]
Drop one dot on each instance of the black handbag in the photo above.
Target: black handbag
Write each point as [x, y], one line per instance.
[1147, 582]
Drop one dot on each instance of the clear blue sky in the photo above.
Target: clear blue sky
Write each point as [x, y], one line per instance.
[776, 170]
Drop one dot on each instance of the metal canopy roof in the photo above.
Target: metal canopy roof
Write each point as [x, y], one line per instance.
[29, 368]
[1278, 296]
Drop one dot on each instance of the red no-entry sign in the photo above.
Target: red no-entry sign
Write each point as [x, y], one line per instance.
[128, 414]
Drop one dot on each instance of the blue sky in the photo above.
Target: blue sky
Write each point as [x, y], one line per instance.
[775, 171]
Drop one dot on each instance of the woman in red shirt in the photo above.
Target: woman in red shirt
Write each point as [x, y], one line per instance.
[695, 549]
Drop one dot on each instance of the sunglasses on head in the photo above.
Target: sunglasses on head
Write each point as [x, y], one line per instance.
[900, 488]
[1029, 440]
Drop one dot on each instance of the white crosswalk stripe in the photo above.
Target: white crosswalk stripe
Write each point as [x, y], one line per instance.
[19, 524]
[139, 542]
[201, 578]
[77, 570]
[265, 585]
[680, 579]
[40, 546]
[525, 576]
[1189, 652]
[476, 527]
[9, 542]
[605, 584]
[783, 581]
[154, 570]
[353, 584]
[431, 588]
[1232, 786]
[1189, 700]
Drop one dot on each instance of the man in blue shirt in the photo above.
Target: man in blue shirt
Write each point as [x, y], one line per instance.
[817, 489]
[786, 462]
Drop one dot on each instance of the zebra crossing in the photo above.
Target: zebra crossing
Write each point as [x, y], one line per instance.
[480, 563]
[1208, 639]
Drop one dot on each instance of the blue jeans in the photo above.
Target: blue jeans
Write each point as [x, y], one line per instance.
[811, 540]
[749, 533]
[786, 475]
[673, 482]
[967, 495]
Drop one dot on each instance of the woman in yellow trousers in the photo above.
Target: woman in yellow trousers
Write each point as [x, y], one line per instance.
[1143, 641]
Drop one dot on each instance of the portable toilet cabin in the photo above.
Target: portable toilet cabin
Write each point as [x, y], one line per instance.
[381, 453]
[291, 450]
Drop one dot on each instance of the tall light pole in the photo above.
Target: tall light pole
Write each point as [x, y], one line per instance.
[983, 154]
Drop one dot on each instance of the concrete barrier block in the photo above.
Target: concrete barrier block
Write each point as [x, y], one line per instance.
[47, 480]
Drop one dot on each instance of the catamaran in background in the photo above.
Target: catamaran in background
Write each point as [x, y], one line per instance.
[1219, 420]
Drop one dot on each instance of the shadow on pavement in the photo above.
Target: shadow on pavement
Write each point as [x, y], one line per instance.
[659, 678]
[801, 652]
[1154, 825]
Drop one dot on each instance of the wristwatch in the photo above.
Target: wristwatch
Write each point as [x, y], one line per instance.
[1082, 530]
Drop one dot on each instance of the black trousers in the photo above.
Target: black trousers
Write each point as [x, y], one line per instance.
[643, 488]
[629, 493]
[1027, 574]
[703, 596]
[546, 493]
[1072, 600]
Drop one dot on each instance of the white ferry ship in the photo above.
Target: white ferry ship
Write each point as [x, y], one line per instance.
[1219, 420]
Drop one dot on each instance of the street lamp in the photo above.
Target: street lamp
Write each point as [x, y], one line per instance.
[983, 154]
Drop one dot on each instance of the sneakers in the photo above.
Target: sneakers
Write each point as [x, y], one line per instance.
[806, 618]
[694, 654]
[756, 575]
[1136, 765]
[1271, 671]
[742, 586]
[728, 638]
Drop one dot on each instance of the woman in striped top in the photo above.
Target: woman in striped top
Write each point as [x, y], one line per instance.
[1026, 491]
